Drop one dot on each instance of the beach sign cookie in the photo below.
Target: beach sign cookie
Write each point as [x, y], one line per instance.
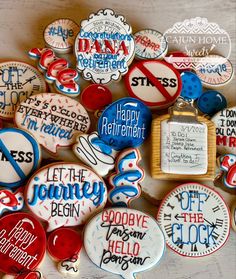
[53, 119]
[183, 145]
[11, 201]
[225, 122]
[64, 245]
[95, 153]
[60, 35]
[125, 181]
[65, 194]
[23, 245]
[125, 123]
[104, 47]
[18, 81]
[120, 240]
[195, 220]
[155, 83]
[20, 156]
[228, 166]
[150, 44]
[215, 71]
[56, 71]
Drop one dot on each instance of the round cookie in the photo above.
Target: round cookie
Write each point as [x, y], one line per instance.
[120, 240]
[65, 194]
[195, 220]
[210, 102]
[233, 216]
[60, 35]
[156, 83]
[20, 156]
[18, 81]
[23, 244]
[150, 44]
[125, 123]
[53, 119]
[104, 47]
[191, 86]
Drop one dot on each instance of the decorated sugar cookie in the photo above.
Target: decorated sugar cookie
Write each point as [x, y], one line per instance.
[233, 216]
[195, 220]
[125, 182]
[215, 71]
[104, 47]
[176, 58]
[191, 86]
[156, 83]
[53, 119]
[96, 97]
[11, 201]
[124, 241]
[64, 245]
[56, 71]
[65, 194]
[125, 123]
[225, 122]
[211, 102]
[60, 35]
[23, 245]
[150, 44]
[95, 152]
[18, 81]
[20, 156]
[228, 166]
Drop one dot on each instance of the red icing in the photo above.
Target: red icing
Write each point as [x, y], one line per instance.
[64, 243]
[22, 244]
[96, 97]
[177, 54]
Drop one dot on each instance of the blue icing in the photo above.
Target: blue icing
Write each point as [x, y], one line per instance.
[125, 123]
[16, 166]
[210, 102]
[106, 149]
[191, 86]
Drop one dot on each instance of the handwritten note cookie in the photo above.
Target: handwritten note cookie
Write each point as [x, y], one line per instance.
[18, 81]
[65, 194]
[53, 119]
[195, 220]
[20, 155]
[156, 83]
[121, 241]
[125, 123]
[225, 122]
[60, 35]
[95, 152]
[64, 245]
[228, 166]
[11, 201]
[125, 182]
[23, 244]
[150, 44]
[104, 47]
[56, 71]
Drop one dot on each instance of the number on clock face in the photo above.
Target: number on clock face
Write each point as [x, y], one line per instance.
[194, 219]
[18, 81]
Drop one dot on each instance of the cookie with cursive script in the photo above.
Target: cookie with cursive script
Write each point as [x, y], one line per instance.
[125, 182]
[121, 241]
[65, 194]
[53, 119]
[23, 245]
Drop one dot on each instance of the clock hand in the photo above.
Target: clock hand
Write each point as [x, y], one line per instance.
[210, 223]
[29, 80]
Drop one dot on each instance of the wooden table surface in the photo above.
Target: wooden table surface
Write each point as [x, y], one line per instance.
[21, 27]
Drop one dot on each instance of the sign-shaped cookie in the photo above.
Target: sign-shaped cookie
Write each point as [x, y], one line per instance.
[53, 119]
[65, 194]
[104, 47]
[156, 83]
[195, 220]
[124, 241]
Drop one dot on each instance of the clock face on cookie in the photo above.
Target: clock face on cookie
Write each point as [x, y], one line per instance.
[195, 220]
[18, 81]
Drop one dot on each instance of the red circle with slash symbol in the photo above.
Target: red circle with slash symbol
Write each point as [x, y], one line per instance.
[156, 83]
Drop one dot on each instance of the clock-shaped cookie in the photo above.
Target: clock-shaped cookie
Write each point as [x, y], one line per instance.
[195, 220]
[18, 81]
